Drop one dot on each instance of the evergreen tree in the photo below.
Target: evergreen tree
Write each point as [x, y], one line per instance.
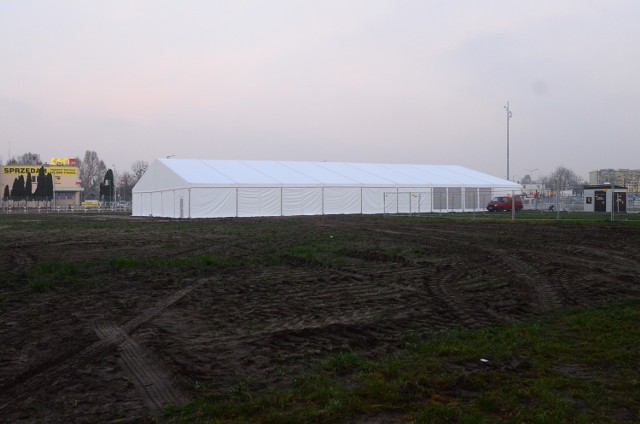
[21, 185]
[108, 186]
[28, 188]
[41, 182]
[49, 187]
[6, 194]
[18, 187]
[15, 190]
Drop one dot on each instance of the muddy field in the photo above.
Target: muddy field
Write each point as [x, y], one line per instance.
[110, 318]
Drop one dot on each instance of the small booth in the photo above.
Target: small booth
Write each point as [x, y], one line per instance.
[600, 198]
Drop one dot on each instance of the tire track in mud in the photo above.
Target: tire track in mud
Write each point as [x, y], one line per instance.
[55, 367]
[544, 298]
[152, 383]
[342, 310]
[444, 280]
[313, 315]
[445, 286]
[607, 275]
[20, 260]
[550, 287]
[284, 305]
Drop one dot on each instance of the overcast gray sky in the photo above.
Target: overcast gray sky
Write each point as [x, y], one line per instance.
[386, 81]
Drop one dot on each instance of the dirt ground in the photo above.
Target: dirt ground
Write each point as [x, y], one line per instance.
[110, 318]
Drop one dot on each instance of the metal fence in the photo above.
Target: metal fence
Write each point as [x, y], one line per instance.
[572, 204]
[20, 208]
[434, 200]
[441, 199]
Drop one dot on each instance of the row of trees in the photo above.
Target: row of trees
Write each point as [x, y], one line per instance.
[22, 188]
[97, 181]
[562, 178]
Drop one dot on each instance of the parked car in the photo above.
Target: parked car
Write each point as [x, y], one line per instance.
[504, 203]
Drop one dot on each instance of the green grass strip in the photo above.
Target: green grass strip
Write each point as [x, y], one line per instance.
[579, 366]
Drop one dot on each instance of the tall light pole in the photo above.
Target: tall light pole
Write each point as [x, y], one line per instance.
[509, 115]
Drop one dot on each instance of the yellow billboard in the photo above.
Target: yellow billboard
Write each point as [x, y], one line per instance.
[62, 161]
[62, 170]
[55, 170]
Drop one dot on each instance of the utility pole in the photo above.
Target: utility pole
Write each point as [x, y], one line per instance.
[509, 115]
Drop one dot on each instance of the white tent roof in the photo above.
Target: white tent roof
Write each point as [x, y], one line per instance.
[185, 173]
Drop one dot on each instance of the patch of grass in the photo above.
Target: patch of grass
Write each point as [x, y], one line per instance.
[41, 285]
[196, 265]
[346, 363]
[49, 275]
[326, 251]
[123, 262]
[576, 366]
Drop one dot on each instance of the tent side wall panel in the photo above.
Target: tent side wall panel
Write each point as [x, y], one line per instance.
[168, 204]
[156, 203]
[146, 204]
[455, 199]
[136, 204]
[210, 202]
[373, 199]
[425, 202]
[301, 201]
[259, 201]
[181, 203]
[407, 200]
[439, 198]
[404, 202]
[342, 200]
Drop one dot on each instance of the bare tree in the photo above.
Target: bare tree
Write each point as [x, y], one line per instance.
[562, 179]
[91, 170]
[139, 167]
[25, 159]
[29, 159]
[526, 180]
[127, 181]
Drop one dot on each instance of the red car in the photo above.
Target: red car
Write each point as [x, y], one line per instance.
[504, 203]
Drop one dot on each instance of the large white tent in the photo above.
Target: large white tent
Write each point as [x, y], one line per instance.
[193, 188]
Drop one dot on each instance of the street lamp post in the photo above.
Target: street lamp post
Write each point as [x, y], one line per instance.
[509, 115]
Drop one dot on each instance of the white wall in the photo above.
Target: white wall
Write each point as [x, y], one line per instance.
[211, 202]
[301, 201]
